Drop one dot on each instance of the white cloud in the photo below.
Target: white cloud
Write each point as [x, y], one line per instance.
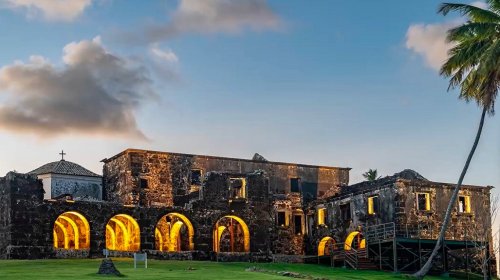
[166, 55]
[211, 16]
[429, 41]
[94, 92]
[52, 10]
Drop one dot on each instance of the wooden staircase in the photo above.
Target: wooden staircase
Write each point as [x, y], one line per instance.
[352, 258]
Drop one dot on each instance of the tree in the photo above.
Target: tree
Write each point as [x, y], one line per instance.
[371, 175]
[473, 66]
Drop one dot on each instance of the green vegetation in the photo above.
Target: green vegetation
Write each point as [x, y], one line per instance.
[87, 269]
[473, 67]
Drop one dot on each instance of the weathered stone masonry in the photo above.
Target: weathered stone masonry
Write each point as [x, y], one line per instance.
[203, 207]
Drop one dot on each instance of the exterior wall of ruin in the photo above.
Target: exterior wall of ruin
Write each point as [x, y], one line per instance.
[28, 221]
[339, 228]
[287, 241]
[414, 223]
[5, 216]
[169, 176]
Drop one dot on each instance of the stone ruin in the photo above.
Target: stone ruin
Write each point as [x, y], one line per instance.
[194, 207]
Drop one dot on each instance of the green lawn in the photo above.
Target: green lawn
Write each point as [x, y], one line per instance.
[87, 268]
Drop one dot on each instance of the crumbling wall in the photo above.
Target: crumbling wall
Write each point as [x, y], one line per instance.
[25, 225]
[286, 241]
[337, 227]
[168, 176]
[5, 217]
[255, 210]
[415, 223]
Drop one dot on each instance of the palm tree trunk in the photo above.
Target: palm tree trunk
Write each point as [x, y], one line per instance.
[427, 266]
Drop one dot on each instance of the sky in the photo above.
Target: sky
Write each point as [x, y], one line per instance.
[337, 83]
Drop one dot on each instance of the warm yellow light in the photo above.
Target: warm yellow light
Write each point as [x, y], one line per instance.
[76, 235]
[371, 209]
[244, 227]
[362, 244]
[76, 231]
[170, 233]
[65, 234]
[111, 234]
[174, 235]
[323, 245]
[159, 239]
[125, 236]
[350, 238]
[321, 216]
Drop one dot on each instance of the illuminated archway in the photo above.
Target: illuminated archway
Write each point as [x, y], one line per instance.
[355, 240]
[123, 233]
[173, 233]
[325, 245]
[231, 234]
[71, 231]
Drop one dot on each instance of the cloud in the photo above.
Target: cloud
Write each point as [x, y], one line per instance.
[51, 10]
[211, 16]
[93, 92]
[429, 41]
[165, 55]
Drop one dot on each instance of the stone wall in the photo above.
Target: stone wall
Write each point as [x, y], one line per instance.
[168, 176]
[339, 228]
[29, 220]
[416, 223]
[5, 216]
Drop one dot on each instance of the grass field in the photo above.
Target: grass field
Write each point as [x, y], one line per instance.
[87, 268]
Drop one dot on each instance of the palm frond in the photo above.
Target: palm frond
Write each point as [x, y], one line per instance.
[474, 13]
[494, 5]
[478, 30]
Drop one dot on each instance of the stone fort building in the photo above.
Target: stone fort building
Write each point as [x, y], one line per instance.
[183, 206]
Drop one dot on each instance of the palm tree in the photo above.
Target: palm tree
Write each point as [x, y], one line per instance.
[474, 67]
[371, 175]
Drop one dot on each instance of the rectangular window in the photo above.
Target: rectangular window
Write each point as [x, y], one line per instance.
[144, 183]
[297, 220]
[345, 212]
[237, 187]
[294, 184]
[373, 205]
[196, 177]
[321, 216]
[423, 202]
[281, 221]
[464, 204]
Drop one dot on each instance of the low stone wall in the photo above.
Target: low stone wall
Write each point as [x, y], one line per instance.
[288, 258]
[71, 254]
[231, 257]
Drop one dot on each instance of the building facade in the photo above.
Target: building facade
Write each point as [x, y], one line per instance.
[183, 206]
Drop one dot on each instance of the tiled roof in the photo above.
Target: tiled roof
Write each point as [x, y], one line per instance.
[64, 167]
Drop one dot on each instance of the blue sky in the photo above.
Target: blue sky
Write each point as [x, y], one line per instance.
[329, 83]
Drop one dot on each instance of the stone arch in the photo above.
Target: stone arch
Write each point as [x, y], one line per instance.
[325, 245]
[123, 233]
[355, 240]
[173, 233]
[71, 231]
[231, 234]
